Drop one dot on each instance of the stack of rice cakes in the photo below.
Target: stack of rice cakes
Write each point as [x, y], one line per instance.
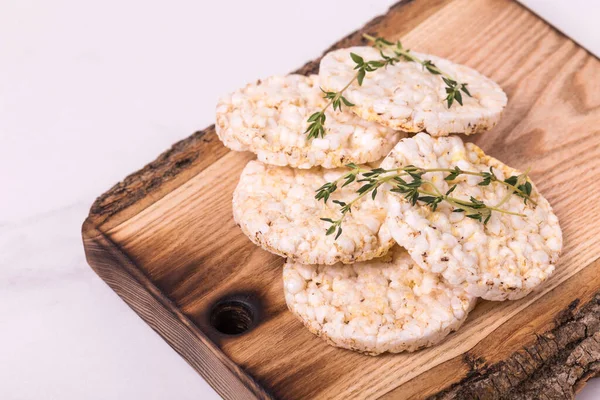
[400, 276]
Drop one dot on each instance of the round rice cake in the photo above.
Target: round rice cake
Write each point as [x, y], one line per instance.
[388, 304]
[406, 96]
[504, 259]
[269, 118]
[276, 208]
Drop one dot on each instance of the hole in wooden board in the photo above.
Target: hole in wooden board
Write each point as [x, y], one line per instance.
[234, 315]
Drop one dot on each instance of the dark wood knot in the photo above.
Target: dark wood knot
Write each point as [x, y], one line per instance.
[235, 315]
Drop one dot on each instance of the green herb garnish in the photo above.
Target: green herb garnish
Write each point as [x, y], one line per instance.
[316, 127]
[409, 182]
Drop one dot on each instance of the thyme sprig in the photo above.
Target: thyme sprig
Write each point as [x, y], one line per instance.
[409, 182]
[316, 122]
[453, 87]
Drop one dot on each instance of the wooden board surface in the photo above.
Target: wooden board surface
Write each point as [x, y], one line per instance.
[165, 241]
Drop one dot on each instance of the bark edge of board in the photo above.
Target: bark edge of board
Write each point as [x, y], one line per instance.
[557, 364]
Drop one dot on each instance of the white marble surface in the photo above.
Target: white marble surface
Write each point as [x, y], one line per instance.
[577, 19]
[90, 91]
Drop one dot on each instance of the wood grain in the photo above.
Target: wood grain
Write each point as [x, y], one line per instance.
[165, 240]
[126, 279]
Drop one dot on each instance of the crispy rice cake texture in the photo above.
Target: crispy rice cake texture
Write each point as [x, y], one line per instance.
[276, 208]
[407, 97]
[269, 118]
[503, 260]
[388, 304]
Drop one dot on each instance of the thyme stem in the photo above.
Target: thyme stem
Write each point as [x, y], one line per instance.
[408, 55]
[416, 190]
[316, 122]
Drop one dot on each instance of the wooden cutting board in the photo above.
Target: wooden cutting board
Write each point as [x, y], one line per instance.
[165, 241]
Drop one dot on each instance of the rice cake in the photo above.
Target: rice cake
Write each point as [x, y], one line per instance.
[503, 260]
[269, 118]
[387, 304]
[276, 208]
[407, 97]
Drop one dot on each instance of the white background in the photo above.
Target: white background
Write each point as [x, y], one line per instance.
[89, 92]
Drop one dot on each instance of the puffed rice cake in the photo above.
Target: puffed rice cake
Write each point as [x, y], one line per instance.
[269, 118]
[503, 260]
[276, 208]
[407, 97]
[388, 304]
